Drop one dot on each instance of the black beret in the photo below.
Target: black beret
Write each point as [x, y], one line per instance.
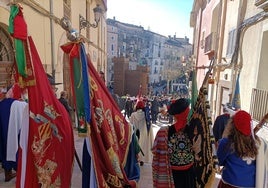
[51, 80]
[178, 106]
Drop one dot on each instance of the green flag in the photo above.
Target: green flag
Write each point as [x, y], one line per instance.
[194, 93]
[16, 20]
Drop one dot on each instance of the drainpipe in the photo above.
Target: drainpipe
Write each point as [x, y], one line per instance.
[52, 39]
[198, 42]
[220, 47]
[223, 20]
[236, 66]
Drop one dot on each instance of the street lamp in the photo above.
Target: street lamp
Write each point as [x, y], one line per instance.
[72, 34]
[83, 23]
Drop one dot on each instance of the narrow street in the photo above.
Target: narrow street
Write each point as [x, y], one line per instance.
[146, 169]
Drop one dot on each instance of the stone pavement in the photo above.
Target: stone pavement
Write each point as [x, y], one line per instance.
[146, 170]
[77, 174]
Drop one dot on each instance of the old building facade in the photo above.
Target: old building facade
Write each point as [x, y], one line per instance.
[145, 48]
[235, 32]
[43, 24]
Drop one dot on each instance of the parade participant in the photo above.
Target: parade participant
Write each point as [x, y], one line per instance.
[138, 120]
[16, 92]
[64, 102]
[155, 108]
[18, 132]
[237, 152]
[173, 157]
[261, 160]
[128, 107]
[5, 105]
[52, 83]
[220, 123]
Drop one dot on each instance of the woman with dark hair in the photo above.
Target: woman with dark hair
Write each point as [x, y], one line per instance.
[237, 152]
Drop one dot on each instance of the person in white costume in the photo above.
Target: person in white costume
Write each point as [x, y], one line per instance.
[144, 132]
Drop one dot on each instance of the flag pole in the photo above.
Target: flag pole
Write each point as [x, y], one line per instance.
[77, 159]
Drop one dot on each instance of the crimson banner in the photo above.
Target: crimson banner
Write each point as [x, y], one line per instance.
[107, 129]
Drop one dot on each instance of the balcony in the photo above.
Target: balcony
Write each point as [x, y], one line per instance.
[258, 104]
[262, 4]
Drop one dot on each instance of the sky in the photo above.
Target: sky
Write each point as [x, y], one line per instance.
[165, 17]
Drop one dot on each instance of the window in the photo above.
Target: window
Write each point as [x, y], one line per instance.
[231, 43]
[155, 70]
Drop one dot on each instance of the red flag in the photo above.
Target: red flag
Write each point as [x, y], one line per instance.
[110, 135]
[108, 131]
[50, 142]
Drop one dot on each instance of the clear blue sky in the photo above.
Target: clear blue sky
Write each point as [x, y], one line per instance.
[166, 17]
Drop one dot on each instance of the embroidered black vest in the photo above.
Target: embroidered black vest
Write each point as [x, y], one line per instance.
[179, 147]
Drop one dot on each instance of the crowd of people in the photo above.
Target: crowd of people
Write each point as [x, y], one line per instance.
[174, 150]
[13, 109]
[153, 104]
[5, 105]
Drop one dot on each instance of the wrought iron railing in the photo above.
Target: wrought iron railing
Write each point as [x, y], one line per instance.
[258, 104]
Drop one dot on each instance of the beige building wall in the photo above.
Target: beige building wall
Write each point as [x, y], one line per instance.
[252, 51]
[37, 16]
[254, 59]
[252, 56]
[223, 90]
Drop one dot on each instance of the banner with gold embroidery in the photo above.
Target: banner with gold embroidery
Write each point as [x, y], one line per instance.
[202, 137]
[80, 85]
[108, 131]
[47, 148]
[50, 151]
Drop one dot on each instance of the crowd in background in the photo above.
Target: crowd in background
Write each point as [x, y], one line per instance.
[154, 105]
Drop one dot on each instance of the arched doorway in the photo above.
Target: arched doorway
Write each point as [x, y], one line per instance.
[6, 57]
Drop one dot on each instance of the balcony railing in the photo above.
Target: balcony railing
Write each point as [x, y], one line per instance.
[262, 4]
[259, 103]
